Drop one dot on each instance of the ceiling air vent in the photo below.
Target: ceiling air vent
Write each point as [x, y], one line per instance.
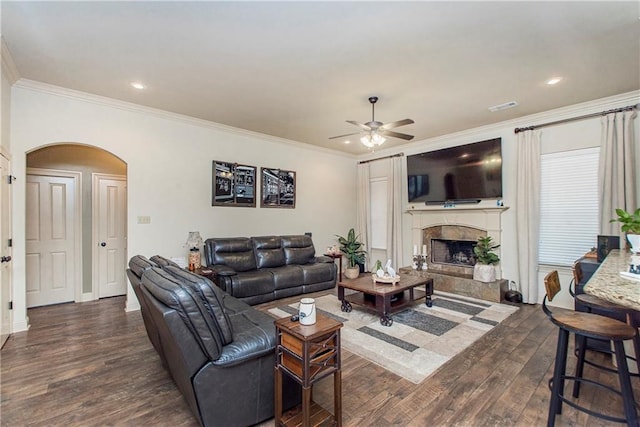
[504, 106]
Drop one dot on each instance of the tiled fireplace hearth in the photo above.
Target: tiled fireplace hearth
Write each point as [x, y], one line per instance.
[449, 235]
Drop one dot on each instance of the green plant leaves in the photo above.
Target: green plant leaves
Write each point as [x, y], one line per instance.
[484, 251]
[630, 221]
[352, 249]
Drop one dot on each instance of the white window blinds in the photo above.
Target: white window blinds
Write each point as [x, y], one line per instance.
[568, 205]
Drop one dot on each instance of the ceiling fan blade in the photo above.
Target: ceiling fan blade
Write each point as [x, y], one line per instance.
[342, 136]
[396, 124]
[360, 125]
[395, 134]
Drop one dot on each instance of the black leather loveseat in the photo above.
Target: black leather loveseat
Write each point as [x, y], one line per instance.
[219, 351]
[260, 269]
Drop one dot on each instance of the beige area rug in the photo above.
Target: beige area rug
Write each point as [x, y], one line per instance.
[421, 339]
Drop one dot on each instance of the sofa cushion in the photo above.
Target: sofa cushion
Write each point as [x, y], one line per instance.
[138, 264]
[211, 296]
[287, 276]
[254, 336]
[251, 283]
[268, 251]
[316, 273]
[163, 262]
[298, 249]
[234, 252]
[170, 291]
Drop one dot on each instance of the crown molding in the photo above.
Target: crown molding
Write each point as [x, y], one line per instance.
[9, 68]
[46, 88]
[589, 107]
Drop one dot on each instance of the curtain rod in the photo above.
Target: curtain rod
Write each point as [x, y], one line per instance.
[381, 158]
[587, 116]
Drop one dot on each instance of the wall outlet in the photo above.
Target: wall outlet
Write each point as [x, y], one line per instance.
[144, 220]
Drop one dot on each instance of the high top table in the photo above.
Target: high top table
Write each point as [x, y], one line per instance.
[606, 282]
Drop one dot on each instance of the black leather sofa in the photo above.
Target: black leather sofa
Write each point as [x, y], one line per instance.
[265, 268]
[219, 351]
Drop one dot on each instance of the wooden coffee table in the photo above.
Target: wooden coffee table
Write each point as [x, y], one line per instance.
[382, 297]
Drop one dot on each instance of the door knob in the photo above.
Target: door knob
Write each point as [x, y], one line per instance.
[103, 244]
[5, 259]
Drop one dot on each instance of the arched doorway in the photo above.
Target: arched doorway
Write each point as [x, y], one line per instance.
[91, 182]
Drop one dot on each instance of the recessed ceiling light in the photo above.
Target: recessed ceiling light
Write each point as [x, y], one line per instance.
[554, 80]
[347, 142]
[137, 85]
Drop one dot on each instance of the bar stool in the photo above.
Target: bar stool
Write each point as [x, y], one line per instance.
[605, 307]
[587, 325]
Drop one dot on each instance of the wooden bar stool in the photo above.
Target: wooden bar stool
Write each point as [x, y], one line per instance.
[587, 325]
[605, 308]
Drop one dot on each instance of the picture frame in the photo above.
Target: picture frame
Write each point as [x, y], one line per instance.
[278, 188]
[233, 184]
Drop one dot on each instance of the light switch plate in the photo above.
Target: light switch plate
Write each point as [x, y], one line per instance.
[144, 220]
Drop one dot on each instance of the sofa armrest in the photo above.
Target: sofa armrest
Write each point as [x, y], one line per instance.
[223, 270]
[322, 258]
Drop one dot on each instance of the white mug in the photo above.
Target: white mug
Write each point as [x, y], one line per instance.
[307, 311]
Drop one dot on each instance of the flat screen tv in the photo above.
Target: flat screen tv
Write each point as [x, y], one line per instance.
[467, 173]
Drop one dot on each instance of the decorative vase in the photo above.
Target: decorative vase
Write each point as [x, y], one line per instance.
[634, 241]
[484, 273]
[194, 259]
[352, 272]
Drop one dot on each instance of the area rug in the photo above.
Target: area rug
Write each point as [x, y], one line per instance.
[420, 340]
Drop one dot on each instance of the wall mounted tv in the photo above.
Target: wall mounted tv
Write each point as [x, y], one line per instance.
[466, 173]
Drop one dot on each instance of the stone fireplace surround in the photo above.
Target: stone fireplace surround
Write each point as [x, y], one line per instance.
[463, 223]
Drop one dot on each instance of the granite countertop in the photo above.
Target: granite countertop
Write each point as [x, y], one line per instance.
[606, 282]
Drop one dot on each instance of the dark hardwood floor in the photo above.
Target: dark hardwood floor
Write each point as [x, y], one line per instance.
[92, 364]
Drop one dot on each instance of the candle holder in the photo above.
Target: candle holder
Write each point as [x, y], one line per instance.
[420, 262]
[423, 262]
[634, 264]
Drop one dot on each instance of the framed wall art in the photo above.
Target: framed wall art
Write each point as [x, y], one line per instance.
[233, 184]
[278, 188]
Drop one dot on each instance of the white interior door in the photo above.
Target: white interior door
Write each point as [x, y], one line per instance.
[109, 213]
[5, 251]
[51, 233]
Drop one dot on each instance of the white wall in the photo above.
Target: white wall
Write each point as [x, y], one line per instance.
[169, 165]
[5, 114]
[569, 136]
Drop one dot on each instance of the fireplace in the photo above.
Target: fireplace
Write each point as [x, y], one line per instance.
[451, 248]
[449, 234]
[453, 252]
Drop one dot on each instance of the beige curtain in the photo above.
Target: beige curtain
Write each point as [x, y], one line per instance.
[363, 222]
[617, 176]
[394, 212]
[528, 213]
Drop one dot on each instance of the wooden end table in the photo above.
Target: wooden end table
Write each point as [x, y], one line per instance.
[381, 294]
[308, 353]
[339, 258]
[205, 272]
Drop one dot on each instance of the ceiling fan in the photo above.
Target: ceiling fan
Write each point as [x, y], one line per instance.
[374, 131]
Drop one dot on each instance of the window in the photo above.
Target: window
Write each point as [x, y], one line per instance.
[568, 205]
[378, 213]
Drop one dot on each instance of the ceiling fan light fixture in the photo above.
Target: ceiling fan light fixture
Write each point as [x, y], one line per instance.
[372, 139]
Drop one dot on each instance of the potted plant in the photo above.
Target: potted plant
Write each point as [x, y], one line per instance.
[630, 225]
[352, 249]
[484, 270]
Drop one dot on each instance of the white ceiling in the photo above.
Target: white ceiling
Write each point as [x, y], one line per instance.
[298, 70]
